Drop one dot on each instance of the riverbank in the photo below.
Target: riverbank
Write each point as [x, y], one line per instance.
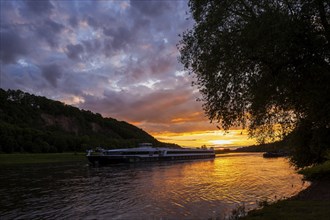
[22, 158]
[311, 203]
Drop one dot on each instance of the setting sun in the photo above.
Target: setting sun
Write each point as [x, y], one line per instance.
[210, 138]
[221, 142]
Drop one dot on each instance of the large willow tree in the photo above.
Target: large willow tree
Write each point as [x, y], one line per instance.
[264, 65]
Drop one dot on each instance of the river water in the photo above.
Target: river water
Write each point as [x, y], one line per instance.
[200, 189]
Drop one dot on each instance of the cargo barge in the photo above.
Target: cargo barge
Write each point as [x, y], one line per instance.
[146, 153]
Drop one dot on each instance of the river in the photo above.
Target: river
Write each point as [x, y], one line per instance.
[200, 189]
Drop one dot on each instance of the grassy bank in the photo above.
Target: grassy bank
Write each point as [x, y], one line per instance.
[293, 209]
[312, 203]
[321, 171]
[10, 159]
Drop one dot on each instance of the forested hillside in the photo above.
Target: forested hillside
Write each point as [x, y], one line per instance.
[30, 123]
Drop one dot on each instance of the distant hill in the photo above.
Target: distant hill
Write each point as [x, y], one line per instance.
[30, 123]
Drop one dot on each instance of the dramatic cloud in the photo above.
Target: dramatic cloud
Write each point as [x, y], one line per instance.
[52, 73]
[118, 58]
[12, 46]
[73, 51]
[151, 8]
[49, 31]
[39, 7]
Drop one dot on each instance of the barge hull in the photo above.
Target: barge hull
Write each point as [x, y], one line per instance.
[104, 160]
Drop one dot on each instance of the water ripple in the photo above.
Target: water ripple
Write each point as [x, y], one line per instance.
[175, 190]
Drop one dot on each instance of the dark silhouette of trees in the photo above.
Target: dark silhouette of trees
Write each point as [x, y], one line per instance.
[264, 65]
[35, 124]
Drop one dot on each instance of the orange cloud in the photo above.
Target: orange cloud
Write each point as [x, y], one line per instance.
[190, 117]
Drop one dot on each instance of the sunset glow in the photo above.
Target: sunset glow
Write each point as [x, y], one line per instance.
[210, 138]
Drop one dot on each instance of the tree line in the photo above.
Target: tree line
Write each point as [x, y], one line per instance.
[35, 124]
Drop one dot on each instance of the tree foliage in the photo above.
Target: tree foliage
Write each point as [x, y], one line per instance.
[264, 65]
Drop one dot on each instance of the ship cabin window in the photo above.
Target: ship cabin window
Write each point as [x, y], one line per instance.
[135, 152]
[186, 152]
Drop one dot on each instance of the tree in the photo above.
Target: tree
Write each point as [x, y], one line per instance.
[264, 65]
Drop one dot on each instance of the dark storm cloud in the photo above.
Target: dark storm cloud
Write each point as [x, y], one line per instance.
[141, 23]
[151, 7]
[52, 73]
[92, 46]
[39, 7]
[115, 57]
[92, 22]
[11, 47]
[73, 21]
[121, 37]
[49, 31]
[53, 26]
[73, 51]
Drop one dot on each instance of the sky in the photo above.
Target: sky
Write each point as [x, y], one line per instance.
[117, 58]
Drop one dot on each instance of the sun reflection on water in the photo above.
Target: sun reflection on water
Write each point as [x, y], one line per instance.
[196, 189]
[193, 187]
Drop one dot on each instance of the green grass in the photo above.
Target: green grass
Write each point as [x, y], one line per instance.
[293, 210]
[10, 159]
[317, 172]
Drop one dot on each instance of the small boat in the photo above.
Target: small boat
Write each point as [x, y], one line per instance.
[146, 152]
[274, 154]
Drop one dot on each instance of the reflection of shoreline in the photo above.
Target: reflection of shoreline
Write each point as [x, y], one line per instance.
[155, 163]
